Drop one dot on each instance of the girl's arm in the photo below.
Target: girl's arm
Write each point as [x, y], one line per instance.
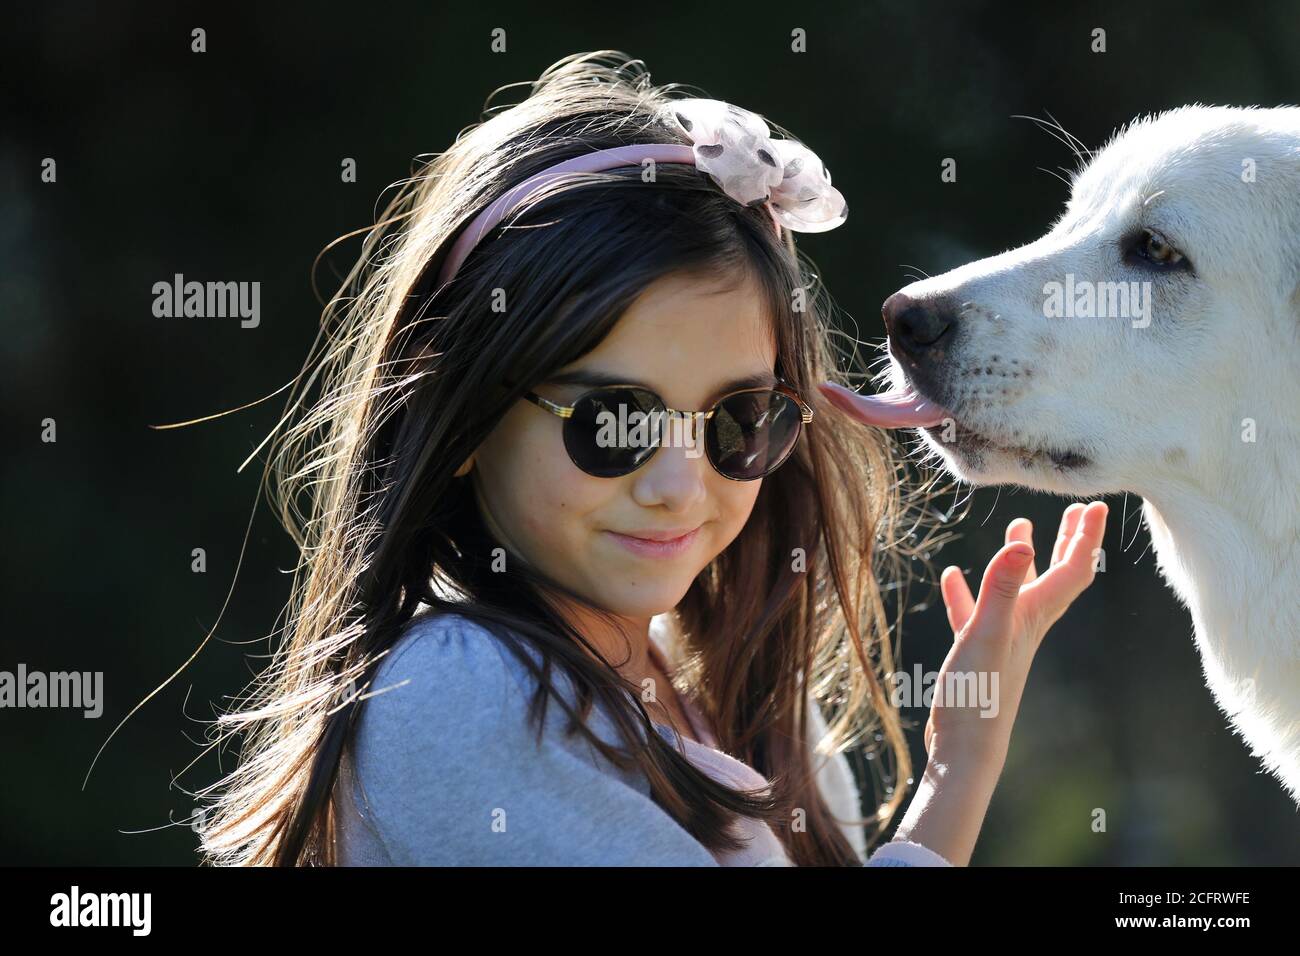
[995, 639]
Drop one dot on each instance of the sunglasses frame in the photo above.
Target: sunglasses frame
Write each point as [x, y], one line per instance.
[566, 411]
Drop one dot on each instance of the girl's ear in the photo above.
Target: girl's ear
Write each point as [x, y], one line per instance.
[464, 469]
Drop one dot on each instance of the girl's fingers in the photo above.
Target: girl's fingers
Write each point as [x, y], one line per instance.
[1022, 529]
[956, 597]
[1053, 592]
[1069, 525]
[996, 604]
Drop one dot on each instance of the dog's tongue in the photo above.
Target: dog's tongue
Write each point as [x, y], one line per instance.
[898, 408]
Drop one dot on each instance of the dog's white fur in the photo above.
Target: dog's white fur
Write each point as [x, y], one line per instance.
[1161, 410]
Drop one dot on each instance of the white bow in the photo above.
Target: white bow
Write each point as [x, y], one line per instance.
[735, 147]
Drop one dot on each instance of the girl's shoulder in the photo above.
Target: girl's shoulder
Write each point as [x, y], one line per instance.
[452, 688]
[446, 767]
[450, 673]
[453, 650]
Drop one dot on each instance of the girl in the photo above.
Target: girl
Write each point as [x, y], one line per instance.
[589, 564]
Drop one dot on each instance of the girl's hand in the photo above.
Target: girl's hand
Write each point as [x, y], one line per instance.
[997, 635]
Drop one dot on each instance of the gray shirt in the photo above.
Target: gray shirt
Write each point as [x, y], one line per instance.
[445, 770]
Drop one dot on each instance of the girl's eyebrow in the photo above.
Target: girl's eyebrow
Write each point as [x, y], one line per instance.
[595, 378]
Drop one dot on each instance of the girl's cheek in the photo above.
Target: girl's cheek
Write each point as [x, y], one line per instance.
[739, 505]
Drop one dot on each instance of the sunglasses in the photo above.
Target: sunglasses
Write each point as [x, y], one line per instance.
[615, 429]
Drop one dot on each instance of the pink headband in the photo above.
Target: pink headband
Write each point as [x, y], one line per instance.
[731, 144]
[596, 162]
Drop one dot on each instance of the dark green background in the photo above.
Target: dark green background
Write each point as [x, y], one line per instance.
[226, 166]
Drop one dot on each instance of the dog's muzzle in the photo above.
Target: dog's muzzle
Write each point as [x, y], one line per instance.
[921, 335]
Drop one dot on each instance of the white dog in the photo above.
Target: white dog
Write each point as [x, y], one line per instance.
[1149, 342]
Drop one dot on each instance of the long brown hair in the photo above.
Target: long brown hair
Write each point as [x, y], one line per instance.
[408, 378]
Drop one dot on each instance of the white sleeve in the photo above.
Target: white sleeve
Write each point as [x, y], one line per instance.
[905, 853]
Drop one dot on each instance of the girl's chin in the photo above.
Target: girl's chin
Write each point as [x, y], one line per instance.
[635, 600]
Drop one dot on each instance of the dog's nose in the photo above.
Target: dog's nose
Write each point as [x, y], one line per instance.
[916, 327]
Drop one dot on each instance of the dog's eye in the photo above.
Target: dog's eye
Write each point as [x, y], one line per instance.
[1152, 247]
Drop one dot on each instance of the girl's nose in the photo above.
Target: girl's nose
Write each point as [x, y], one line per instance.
[675, 476]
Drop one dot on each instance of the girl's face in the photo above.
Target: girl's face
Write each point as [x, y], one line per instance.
[688, 341]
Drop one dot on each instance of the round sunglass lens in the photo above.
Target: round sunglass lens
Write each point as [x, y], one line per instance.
[752, 433]
[614, 431]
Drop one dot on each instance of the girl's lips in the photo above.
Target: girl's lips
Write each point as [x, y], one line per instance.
[656, 549]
